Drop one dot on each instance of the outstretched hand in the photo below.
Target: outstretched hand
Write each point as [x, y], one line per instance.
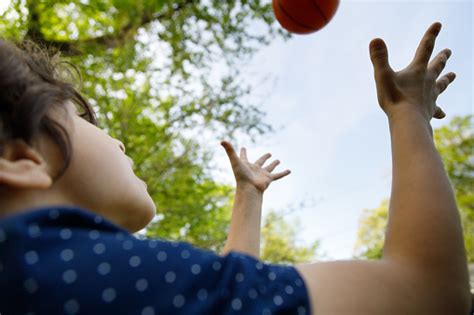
[417, 86]
[254, 174]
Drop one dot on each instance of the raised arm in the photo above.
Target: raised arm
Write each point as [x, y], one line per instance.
[252, 179]
[424, 266]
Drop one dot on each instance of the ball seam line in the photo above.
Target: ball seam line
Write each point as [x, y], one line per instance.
[292, 18]
[316, 5]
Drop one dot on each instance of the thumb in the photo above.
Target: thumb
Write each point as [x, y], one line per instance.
[229, 149]
[379, 56]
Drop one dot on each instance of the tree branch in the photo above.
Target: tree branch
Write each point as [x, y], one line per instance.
[108, 41]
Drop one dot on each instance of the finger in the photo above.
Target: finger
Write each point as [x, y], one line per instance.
[272, 166]
[425, 49]
[243, 154]
[262, 159]
[277, 176]
[444, 81]
[437, 65]
[379, 56]
[229, 149]
[439, 113]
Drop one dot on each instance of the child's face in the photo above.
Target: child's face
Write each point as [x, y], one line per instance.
[100, 176]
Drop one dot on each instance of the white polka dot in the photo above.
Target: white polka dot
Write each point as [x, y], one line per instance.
[67, 254]
[127, 245]
[71, 307]
[65, 233]
[108, 295]
[289, 289]
[185, 254]
[202, 294]
[161, 256]
[99, 248]
[179, 301]
[236, 304]
[34, 230]
[31, 257]
[119, 236]
[98, 219]
[278, 300]
[54, 214]
[94, 234]
[152, 244]
[148, 311]
[266, 311]
[170, 276]
[239, 277]
[141, 285]
[195, 269]
[69, 276]
[103, 268]
[216, 265]
[134, 261]
[31, 286]
[271, 275]
[259, 265]
[301, 310]
[253, 294]
[298, 282]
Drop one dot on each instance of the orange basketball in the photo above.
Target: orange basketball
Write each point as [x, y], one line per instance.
[304, 16]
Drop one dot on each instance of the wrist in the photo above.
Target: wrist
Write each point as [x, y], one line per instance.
[248, 188]
[408, 110]
[409, 114]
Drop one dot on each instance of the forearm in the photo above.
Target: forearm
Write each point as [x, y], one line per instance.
[424, 228]
[244, 233]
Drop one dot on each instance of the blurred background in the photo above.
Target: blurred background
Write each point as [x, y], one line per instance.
[172, 78]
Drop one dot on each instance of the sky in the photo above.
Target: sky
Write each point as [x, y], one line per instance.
[330, 131]
[334, 136]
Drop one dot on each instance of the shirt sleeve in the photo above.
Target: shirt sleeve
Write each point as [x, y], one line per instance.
[95, 268]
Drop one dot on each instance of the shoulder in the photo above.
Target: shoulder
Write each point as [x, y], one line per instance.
[76, 259]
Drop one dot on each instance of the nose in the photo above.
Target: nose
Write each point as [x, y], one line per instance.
[122, 146]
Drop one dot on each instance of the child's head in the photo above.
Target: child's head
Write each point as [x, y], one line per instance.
[51, 149]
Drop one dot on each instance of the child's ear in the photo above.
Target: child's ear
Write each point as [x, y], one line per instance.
[22, 167]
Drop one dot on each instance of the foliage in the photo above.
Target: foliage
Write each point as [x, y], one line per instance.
[279, 242]
[148, 68]
[371, 233]
[455, 143]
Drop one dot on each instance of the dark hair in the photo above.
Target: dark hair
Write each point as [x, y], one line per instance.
[32, 81]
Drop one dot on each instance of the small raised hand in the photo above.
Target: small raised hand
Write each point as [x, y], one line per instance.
[252, 174]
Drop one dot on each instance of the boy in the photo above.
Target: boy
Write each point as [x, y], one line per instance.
[65, 246]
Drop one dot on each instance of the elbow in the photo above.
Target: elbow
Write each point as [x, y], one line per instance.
[463, 305]
[448, 294]
[457, 301]
[466, 303]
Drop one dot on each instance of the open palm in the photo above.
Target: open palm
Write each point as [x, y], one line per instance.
[254, 174]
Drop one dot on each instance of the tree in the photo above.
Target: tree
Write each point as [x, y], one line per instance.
[279, 242]
[371, 233]
[454, 142]
[148, 69]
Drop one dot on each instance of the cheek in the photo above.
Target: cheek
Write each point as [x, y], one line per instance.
[98, 166]
[101, 178]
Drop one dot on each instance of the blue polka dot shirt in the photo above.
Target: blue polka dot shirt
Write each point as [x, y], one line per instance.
[68, 260]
